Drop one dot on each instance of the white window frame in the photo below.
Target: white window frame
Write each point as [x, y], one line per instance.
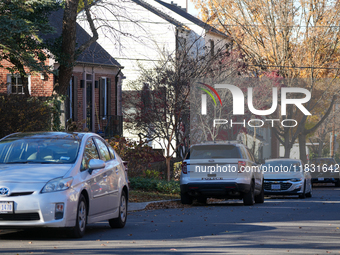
[9, 84]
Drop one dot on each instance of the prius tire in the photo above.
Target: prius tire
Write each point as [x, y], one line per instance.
[78, 230]
[120, 221]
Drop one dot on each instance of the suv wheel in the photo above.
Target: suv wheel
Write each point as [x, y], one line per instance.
[260, 197]
[249, 197]
[186, 199]
[202, 200]
[337, 183]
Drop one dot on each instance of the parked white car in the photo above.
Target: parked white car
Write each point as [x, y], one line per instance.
[61, 180]
[221, 170]
[286, 177]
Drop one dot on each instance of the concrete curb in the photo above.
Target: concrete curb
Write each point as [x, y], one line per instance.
[141, 206]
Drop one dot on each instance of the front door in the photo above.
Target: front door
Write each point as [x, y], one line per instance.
[89, 105]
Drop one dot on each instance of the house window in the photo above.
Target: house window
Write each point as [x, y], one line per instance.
[104, 96]
[14, 84]
[89, 77]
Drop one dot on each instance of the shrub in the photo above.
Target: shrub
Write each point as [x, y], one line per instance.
[139, 155]
[171, 187]
[148, 184]
[22, 114]
[152, 174]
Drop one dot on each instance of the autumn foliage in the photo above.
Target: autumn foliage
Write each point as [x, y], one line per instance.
[140, 156]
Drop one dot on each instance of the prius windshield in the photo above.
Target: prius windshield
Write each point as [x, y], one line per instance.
[42, 150]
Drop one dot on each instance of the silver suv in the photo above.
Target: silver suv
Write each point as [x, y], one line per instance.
[221, 170]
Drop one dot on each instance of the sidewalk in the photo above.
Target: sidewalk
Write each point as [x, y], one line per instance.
[142, 205]
[138, 206]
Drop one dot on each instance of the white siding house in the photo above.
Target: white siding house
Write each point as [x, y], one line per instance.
[140, 32]
[143, 32]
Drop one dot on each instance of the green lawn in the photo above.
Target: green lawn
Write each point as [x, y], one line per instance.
[147, 196]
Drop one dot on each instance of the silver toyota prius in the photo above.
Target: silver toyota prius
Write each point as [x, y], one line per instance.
[61, 180]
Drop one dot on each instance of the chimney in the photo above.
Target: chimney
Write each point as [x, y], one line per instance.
[183, 9]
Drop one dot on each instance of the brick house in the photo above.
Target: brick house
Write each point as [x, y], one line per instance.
[94, 94]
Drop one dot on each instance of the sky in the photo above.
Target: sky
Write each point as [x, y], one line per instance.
[182, 3]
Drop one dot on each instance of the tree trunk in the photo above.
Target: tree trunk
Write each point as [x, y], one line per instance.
[68, 46]
[168, 170]
[302, 147]
[287, 143]
[320, 147]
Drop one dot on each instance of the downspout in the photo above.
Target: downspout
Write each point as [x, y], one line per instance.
[84, 98]
[116, 91]
[119, 102]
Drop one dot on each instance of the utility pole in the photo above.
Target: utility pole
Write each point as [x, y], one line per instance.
[333, 133]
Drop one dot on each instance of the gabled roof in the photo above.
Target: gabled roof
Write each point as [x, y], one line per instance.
[159, 13]
[95, 54]
[191, 18]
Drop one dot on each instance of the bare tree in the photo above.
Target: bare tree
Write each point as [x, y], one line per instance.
[157, 106]
[324, 133]
[103, 15]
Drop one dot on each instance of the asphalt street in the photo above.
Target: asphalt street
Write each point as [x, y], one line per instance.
[279, 226]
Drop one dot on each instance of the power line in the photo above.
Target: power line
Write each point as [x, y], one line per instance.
[139, 59]
[226, 25]
[257, 25]
[299, 67]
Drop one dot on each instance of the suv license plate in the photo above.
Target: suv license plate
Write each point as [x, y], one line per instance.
[6, 207]
[276, 186]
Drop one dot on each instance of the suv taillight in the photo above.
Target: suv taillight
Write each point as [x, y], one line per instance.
[241, 166]
[184, 168]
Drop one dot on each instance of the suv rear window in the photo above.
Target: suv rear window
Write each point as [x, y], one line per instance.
[214, 151]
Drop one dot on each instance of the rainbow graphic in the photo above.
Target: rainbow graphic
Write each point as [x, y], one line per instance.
[209, 93]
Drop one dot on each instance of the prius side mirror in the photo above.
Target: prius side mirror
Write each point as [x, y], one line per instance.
[96, 164]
